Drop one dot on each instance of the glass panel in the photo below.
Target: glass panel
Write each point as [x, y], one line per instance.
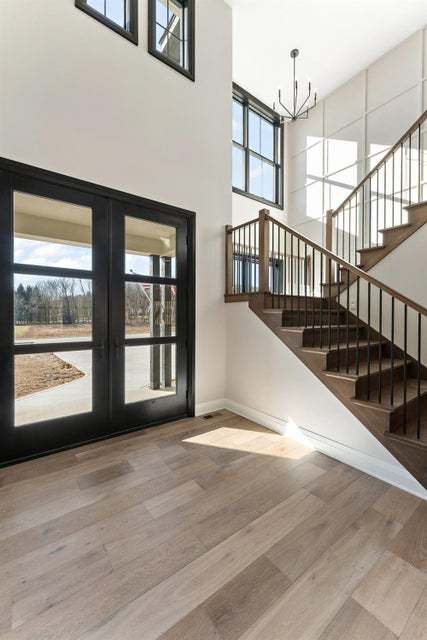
[52, 385]
[267, 139]
[52, 309]
[261, 178]
[150, 372]
[268, 181]
[175, 49]
[162, 13]
[255, 176]
[161, 39]
[254, 132]
[116, 11]
[237, 122]
[175, 19]
[238, 168]
[51, 232]
[98, 5]
[150, 310]
[150, 248]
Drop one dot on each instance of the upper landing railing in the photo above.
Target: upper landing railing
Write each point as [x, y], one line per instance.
[381, 199]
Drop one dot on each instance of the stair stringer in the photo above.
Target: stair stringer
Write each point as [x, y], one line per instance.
[412, 456]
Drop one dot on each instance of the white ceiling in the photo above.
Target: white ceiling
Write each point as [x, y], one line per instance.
[336, 39]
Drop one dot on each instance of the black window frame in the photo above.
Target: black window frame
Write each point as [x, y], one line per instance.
[131, 34]
[191, 9]
[249, 102]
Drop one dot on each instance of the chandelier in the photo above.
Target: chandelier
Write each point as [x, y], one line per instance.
[296, 112]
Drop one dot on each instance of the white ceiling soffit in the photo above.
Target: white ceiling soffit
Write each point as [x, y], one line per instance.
[336, 39]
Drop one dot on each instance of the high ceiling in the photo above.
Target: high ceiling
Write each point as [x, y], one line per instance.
[336, 39]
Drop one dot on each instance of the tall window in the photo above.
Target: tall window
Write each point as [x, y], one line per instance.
[171, 33]
[257, 150]
[119, 15]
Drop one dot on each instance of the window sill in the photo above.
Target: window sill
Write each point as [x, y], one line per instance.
[275, 205]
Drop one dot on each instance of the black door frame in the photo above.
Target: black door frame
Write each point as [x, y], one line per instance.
[52, 183]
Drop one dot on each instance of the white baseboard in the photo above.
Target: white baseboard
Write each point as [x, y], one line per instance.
[393, 474]
[208, 407]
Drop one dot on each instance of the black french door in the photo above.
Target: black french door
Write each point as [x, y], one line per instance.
[96, 313]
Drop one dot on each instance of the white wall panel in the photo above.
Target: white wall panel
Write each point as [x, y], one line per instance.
[386, 124]
[395, 72]
[345, 105]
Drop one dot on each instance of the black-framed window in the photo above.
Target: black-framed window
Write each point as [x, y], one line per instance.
[171, 33]
[119, 15]
[257, 150]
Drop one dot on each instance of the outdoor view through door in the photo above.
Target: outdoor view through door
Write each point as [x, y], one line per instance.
[95, 336]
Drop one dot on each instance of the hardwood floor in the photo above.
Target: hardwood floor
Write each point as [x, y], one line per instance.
[208, 529]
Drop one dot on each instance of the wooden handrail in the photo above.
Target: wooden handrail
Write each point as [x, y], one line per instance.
[383, 160]
[230, 229]
[357, 272]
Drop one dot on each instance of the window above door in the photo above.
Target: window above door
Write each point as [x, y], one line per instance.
[119, 15]
[257, 148]
[171, 33]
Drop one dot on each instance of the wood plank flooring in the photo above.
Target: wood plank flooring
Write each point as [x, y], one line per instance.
[208, 529]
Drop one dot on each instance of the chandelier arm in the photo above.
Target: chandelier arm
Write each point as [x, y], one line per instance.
[302, 106]
[286, 109]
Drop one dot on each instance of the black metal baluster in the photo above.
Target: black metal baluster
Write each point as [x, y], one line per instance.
[357, 324]
[305, 284]
[401, 182]
[337, 329]
[249, 259]
[419, 163]
[392, 191]
[363, 216]
[299, 277]
[273, 261]
[286, 271]
[245, 266]
[385, 196]
[321, 301]
[356, 227]
[312, 292]
[378, 203]
[370, 213]
[410, 169]
[419, 380]
[329, 302]
[405, 367]
[368, 362]
[347, 363]
[380, 323]
[392, 354]
[280, 273]
[292, 273]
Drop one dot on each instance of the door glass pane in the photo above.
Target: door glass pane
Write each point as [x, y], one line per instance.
[51, 309]
[52, 233]
[150, 310]
[52, 385]
[150, 372]
[150, 248]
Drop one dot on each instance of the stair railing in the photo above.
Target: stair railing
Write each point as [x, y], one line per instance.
[375, 331]
[379, 202]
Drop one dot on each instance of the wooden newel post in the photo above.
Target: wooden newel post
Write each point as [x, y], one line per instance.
[264, 251]
[228, 260]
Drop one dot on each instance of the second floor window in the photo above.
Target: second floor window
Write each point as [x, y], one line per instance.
[257, 150]
[171, 33]
[119, 15]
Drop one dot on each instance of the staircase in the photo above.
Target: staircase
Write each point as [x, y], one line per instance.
[361, 338]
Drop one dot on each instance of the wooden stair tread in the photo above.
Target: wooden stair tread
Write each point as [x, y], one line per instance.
[415, 205]
[378, 247]
[363, 368]
[411, 394]
[334, 347]
[397, 227]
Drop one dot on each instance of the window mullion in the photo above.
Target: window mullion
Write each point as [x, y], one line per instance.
[246, 144]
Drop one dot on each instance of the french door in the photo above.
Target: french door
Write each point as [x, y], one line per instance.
[95, 314]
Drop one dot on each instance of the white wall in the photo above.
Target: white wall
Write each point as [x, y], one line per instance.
[79, 99]
[345, 136]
